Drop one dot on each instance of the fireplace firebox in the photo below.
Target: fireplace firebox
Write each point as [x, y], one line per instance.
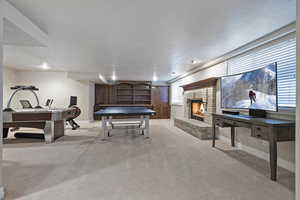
[198, 109]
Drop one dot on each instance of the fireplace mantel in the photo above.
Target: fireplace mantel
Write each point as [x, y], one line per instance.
[211, 82]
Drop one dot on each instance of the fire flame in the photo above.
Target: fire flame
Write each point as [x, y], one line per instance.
[198, 108]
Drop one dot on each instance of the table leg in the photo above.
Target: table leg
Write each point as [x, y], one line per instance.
[273, 154]
[112, 126]
[49, 131]
[103, 120]
[5, 132]
[147, 126]
[232, 136]
[214, 135]
[142, 123]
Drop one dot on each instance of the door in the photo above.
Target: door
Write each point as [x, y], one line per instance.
[160, 102]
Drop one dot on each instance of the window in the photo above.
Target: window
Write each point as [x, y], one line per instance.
[284, 53]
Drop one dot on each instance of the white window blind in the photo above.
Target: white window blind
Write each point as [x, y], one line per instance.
[284, 53]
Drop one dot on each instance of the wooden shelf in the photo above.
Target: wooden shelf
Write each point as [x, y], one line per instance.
[133, 92]
[142, 89]
[127, 92]
[124, 88]
[125, 99]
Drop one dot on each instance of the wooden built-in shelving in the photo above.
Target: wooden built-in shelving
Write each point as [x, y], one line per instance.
[133, 93]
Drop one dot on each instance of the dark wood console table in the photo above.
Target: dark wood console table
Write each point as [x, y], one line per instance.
[272, 130]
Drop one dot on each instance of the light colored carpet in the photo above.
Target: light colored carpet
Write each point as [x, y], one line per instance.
[171, 165]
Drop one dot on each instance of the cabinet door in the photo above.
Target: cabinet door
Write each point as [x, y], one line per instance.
[103, 94]
[160, 102]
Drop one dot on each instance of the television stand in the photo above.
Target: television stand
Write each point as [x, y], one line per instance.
[271, 130]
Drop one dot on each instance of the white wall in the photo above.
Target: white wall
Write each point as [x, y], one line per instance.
[91, 100]
[52, 85]
[9, 80]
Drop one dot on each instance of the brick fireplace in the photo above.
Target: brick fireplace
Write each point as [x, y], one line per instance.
[199, 104]
[200, 100]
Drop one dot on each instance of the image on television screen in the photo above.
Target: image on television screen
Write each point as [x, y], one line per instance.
[251, 90]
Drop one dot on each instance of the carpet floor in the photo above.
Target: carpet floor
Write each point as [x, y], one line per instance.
[171, 165]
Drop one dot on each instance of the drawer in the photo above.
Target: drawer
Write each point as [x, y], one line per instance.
[229, 122]
[236, 123]
[260, 132]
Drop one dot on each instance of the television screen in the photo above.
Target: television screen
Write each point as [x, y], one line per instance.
[251, 90]
[73, 101]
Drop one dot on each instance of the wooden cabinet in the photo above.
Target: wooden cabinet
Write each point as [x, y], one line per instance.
[104, 94]
[160, 102]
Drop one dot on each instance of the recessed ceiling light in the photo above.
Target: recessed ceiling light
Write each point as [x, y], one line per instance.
[154, 78]
[102, 78]
[113, 77]
[45, 66]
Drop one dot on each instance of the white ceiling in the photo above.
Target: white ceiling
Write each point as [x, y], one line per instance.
[137, 38]
[13, 35]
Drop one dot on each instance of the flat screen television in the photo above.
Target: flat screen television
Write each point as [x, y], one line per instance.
[73, 101]
[255, 90]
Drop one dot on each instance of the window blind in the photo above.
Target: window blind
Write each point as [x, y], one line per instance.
[284, 53]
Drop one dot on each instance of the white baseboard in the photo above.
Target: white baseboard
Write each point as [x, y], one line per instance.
[85, 121]
[290, 166]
